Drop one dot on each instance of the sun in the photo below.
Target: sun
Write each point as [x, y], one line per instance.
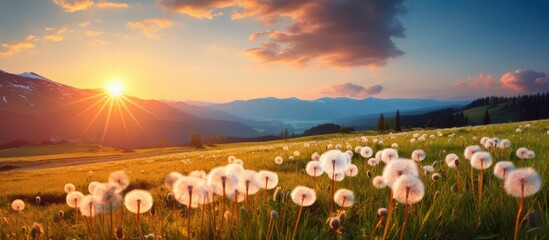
[115, 89]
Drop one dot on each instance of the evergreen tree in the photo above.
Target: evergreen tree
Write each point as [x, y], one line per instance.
[397, 122]
[486, 118]
[381, 123]
[285, 133]
[195, 141]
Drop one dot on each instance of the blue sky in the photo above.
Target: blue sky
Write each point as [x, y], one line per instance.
[175, 49]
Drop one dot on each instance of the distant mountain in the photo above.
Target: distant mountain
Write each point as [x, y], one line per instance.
[35, 108]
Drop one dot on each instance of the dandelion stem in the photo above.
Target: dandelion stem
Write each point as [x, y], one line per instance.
[457, 180]
[314, 179]
[376, 227]
[472, 182]
[480, 186]
[405, 214]
[517, 221]
[298, 217]
[389, 213]
[138, 220]
[189, 213]
[269, 229]
[333, 186]
[111, 215]
[76, 211]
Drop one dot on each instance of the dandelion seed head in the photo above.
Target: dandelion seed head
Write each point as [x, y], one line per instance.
[373, 162]
[120, 179]
[397, 168]
[231, 159]
[366, 152]
[428, 169]
[220, 175]
[502, 168]
[358, 149]
[337, 177]
[303, 196]
[344, 197]
[388, 155]
[106, 195]
[350, 153]
[504, 143]
[334, 161]
[74, 199]
[138, 199]
[378, 182]
[481, 160]
[278, 160]
[382, 212]
[314, 169]
[250, 179]
[18, 205]
[408, 185]
[519, 178]
[435, 177]
[268, 177]
[234, 167]
[171, 178]
[470, 150]
[199, 174]
[489, 144]
[451, 160]
[394, 145]
[315, 156]
[92, 185]
[88, 206]
[69, 187]
[483, 140]
[351, 170]
[418, 155]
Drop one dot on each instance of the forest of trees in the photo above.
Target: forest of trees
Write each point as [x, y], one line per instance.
[531, 107]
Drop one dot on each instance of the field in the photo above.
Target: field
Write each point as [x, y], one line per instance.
[443, 213]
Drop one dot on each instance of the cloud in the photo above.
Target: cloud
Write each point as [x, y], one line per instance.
[84, 24]
[482, 80]
[151, 27]
[80, 5]
[338, 34]
[97, 42]
[93, 33]
[196, 8]
[526, 81]
[55, 34]
[351, 90]
[11, 49]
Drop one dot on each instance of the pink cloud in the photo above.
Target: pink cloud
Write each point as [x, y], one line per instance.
[151, 27]
[11, 49]
[338, 34]
[527, 81]
[80, 5]
[482, 80]
[351, 90]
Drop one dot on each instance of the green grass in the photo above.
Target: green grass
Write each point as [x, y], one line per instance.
[499, 113]
[450, 215]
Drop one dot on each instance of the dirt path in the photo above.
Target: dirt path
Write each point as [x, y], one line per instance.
[63, 162]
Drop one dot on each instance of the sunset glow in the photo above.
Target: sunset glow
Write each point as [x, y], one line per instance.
[115, 89]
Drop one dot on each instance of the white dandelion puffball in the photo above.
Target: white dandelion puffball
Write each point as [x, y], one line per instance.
[380, 142]
[87, 206]
[338, 146]
[351, 170]
[451, 160]
[416, 135]
[432, 136]
[234, 168]
[349, 147]
[236, 196]
[306, 145]
[231, 159]
[107, 194]
[69, 187]
[189, 188]
[373, 162]
[120, 179]
[297, 153]
[378, 182]
[357, 149]
[481, 160]
[518, 130]
[489, 143]
[18, 205]
[350, 153]
[220, 176]
[483, 140]
[522, 153]
[329, 146]
[413, 140]
[502, 168]
[285, 148]
[291, 158]
[268, 179]
[314, 169]
[531, 154]
[92, 185]
[238, 162]
[421, 139]
[138, 201]
[315, 156]
[279, 160]
[428, 169]
[408, 185]
[364, 139]
[440, 134]
[333, 161]
[397, 168]
[171, 178]
[337, 177]
[470, 150]
[303, 196]
[418, 155]
[522, 178]
[389, 154]
[394, 145]
[199, 174]
[504, 143]
[74, 199]
[378, 155]
[344, 198]
[249, 180]
[366, 152]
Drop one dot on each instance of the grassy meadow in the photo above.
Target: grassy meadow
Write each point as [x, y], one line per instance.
[443, 213]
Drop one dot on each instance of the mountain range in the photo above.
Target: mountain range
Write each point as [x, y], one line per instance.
[35, 108]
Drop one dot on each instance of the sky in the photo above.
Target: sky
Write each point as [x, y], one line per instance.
[225, 50]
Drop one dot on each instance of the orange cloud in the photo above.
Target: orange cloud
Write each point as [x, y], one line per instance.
[80, 5]
[483, 80]
[151, 27]
[11, 49]
[56, 35]
[198, 9]
[352, 90]
[97, 42]
[525, 81]
[93, 33]
[84, 24]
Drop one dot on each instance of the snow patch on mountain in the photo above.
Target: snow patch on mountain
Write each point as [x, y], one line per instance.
[32, 75]
[5, 99]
